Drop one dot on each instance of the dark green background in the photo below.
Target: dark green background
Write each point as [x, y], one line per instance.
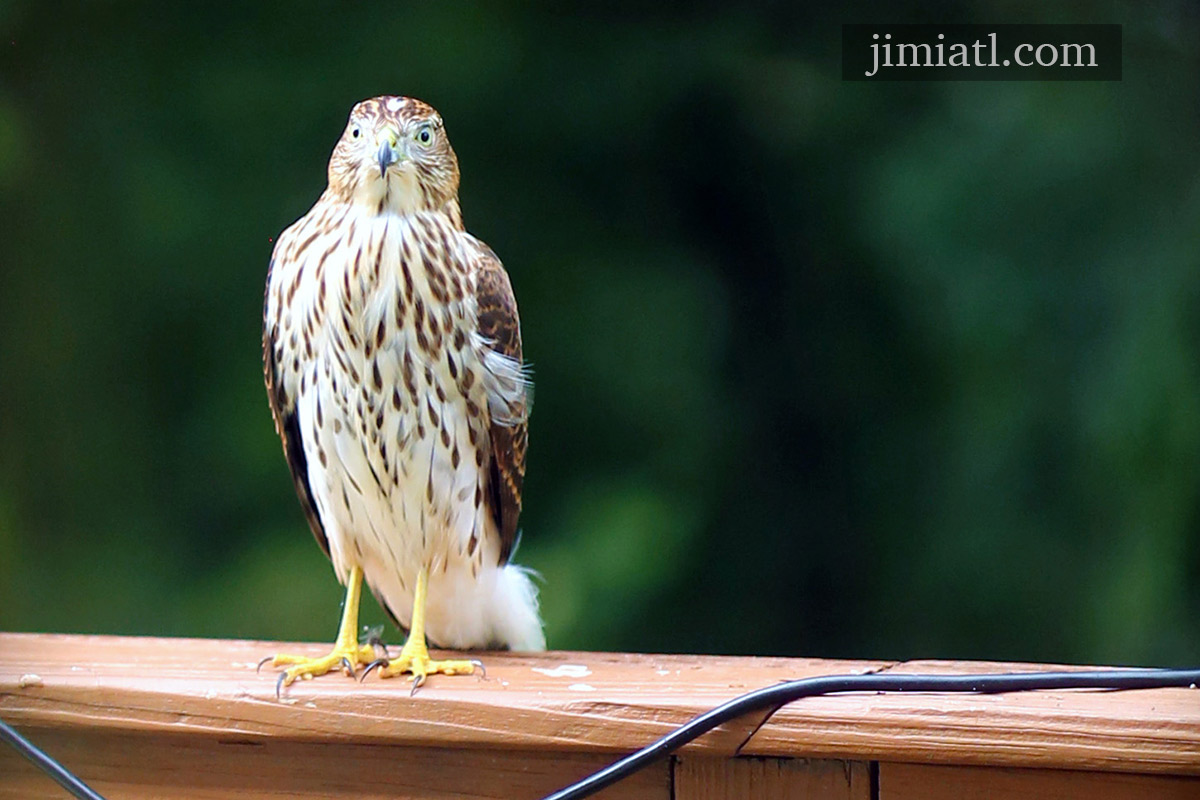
[823, 368]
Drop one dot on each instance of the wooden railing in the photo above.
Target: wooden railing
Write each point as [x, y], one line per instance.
[186, 718]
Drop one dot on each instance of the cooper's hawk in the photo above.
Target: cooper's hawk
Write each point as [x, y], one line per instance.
[392, 355]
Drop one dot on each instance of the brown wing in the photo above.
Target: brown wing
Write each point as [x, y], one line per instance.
[499, 323]
[287, 423]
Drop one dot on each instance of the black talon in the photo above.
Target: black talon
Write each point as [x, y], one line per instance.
[482, 668]
[258, 669]
[279, 685]
[418, 680]
[379, 662]
[347, 666]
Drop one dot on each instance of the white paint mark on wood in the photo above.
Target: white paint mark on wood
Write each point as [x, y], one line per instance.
[565, 671]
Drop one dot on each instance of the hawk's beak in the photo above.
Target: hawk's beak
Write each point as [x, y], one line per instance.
[388, 154]
[390, 150]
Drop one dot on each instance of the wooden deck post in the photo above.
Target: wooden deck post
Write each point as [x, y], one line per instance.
[186, 718]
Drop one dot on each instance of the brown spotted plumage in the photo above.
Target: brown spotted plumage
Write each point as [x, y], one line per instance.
[498, 322]
[392, 356]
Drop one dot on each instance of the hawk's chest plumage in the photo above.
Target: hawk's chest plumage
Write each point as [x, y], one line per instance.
[377, 349]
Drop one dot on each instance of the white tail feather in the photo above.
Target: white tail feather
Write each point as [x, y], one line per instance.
[514, 610]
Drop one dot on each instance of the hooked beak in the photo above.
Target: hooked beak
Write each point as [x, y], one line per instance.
[388, 153]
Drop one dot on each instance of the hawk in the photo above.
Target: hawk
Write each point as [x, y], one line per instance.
[392, 358]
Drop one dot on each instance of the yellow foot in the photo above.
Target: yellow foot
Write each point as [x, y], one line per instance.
[349, 657]
[415, 661]
[347, 652]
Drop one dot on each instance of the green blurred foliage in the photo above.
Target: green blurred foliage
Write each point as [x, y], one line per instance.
[823, 368]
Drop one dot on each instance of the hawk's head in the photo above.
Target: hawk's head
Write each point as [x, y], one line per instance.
[394, 154]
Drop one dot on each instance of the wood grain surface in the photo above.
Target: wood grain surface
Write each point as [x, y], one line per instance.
[140, 766]
[700, 778]
[582, 703]
[924, 782]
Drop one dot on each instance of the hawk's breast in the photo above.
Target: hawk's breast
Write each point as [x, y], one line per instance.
[389, 385]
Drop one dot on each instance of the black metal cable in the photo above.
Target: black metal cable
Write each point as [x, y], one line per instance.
[775, 697]
[57, 771]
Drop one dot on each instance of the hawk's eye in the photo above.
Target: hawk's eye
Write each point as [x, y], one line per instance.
[424, 135]
[356, 132]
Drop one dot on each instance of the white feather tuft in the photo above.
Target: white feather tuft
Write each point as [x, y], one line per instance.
[507, 384]
[498, 608]
[514, 611]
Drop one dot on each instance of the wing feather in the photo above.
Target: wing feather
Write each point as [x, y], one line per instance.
[287, 422]
[500, 326]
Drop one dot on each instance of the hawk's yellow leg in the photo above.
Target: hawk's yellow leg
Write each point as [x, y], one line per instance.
[346, 649]
[414, 658]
